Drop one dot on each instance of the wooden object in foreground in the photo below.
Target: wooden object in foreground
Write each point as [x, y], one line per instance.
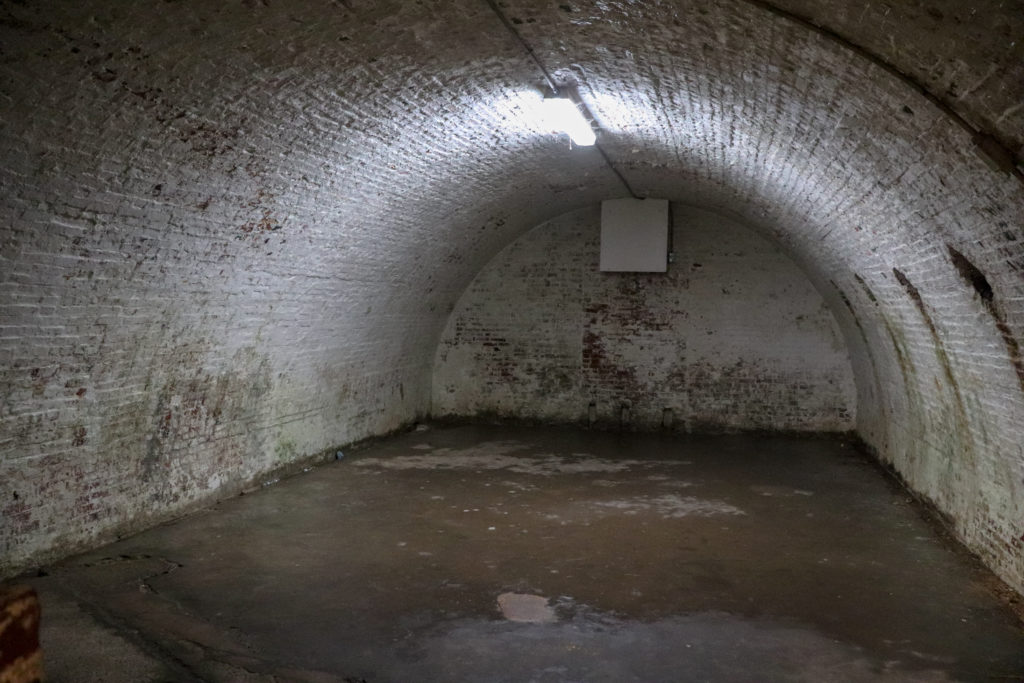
[21, 660]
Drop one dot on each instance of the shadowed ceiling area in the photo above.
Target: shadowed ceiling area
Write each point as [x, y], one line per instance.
[233, 232]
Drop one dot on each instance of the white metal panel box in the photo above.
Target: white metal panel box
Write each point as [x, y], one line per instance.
[634, 235]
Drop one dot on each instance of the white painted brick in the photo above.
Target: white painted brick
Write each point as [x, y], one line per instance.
[148, 155]
[732, 337]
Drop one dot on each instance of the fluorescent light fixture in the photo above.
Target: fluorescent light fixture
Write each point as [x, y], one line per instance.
[562, 114]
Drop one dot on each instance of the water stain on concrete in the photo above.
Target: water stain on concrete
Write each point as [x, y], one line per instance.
[526, 608]
[511, 456]
[671, 506]
[779, 491]
[704, 647]
[358, 571]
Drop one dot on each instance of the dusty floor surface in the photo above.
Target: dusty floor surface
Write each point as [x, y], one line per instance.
[506, 554]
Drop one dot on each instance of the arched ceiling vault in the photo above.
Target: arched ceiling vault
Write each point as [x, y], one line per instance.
[388, 148]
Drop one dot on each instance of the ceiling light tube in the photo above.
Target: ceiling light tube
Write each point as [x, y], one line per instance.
[564, 115]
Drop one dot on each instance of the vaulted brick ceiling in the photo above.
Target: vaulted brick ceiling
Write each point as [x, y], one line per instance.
[190, 186]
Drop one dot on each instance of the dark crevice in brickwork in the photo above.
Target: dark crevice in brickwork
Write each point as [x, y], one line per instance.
[902, 357]
[970, 273]
[906, 364]
[973, 276]
[867, 290]
[863, 336]
[849, 307]
[915, 296]
[941, 354]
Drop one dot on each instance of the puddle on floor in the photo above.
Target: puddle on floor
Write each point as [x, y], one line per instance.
[526, 608]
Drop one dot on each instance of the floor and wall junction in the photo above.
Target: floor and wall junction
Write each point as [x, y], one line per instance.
[237, 237]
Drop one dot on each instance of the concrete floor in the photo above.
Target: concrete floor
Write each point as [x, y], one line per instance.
[655, 558]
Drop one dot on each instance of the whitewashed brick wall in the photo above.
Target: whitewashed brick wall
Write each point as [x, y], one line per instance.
[733, 336]
[231, 233]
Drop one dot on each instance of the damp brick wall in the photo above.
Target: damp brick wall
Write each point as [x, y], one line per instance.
[231, 233]
[732, 337]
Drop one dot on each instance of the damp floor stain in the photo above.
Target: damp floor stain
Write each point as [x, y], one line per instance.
[504, 554]
[526, 608]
